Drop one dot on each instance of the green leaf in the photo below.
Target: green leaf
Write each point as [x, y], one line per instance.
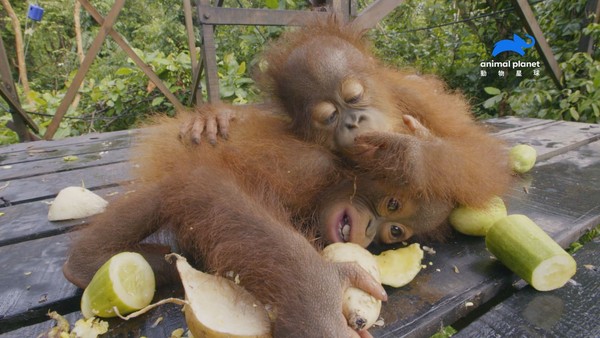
[124, 71]
[574, 114]
[242, 69]
[492, 90]
[272, 4]
[492, 101]
[157, 101]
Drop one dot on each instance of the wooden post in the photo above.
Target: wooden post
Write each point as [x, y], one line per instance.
[136, 59]
[532, 26]
[209, 54]
[196, 92]
[9, 93]
[586, 43]
[83, 69]
[375, 12]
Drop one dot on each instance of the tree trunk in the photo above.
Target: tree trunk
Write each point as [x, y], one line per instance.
[79, 43]
[19, 45]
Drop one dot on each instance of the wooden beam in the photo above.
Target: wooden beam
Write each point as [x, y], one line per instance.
[196, 93]
[84, 68]
[532, 26]
[209, 56]
[586, 42]
[209, 15]
[136, 59]
[9, 93]
[375, 12]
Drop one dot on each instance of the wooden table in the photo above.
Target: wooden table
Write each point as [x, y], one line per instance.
[461, 282]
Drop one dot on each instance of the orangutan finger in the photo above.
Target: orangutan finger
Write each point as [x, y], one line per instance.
[364, 334]
[197, 128]
[211, 130]
[223, 122]
[361, 279]
[184, 129]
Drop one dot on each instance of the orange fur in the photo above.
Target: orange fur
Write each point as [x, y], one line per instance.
[460, 162]
[230, 208]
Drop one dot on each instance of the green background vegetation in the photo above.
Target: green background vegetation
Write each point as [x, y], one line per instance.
[447, 38]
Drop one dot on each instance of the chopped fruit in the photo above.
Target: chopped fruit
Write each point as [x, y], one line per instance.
[126, 281]
[400, 266]
[360, 309]
[530, 253]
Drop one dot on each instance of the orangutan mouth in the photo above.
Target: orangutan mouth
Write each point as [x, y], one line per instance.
[344, 227]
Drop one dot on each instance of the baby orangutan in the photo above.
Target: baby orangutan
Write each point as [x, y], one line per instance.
[340, 96]
[248, 205]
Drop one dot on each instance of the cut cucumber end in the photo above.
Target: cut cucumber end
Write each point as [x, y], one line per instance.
[126, 281]
[553, 273]
[528, 251]
[133, 279]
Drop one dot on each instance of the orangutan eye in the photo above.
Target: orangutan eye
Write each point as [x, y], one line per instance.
[332, 118]
[325, 113]
[393, 204]
[396, 231]
[354, 99]
[352, 91]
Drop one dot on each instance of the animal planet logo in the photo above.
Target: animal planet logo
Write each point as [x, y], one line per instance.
[516, 45]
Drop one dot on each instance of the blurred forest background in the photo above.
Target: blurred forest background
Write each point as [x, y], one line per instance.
[447, 38]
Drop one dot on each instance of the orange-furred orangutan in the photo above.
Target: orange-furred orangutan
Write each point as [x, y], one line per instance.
[399, 127]
[254, 205]
[340, 96]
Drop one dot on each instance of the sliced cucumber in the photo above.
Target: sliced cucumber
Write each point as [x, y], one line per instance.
[476, 222]
[529, 252]
[125, 281]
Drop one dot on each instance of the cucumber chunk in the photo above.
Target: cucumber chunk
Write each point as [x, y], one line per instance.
[528, 251]
[125, 281]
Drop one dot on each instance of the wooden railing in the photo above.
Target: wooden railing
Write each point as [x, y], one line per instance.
[209, 16]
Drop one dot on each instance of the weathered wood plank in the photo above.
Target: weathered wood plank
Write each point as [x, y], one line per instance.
[46, 186]
[59, 164]
[27, 221]
[571, 311]
[506, 124]
[563, 191]
[554, 138]
[39, 150]
[563, 199]
[160, 322]
[32, 280]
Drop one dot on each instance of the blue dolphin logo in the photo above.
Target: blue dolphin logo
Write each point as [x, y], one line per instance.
[517, 45]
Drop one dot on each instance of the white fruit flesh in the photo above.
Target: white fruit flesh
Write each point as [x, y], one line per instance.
[74, 203]
[360, 309]
[220, 308]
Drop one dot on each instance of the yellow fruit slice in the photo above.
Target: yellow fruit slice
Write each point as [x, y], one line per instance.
[125, 281]
[476, 222]
[400, 266]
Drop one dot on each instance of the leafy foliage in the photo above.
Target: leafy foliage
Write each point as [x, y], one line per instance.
[449, 39]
